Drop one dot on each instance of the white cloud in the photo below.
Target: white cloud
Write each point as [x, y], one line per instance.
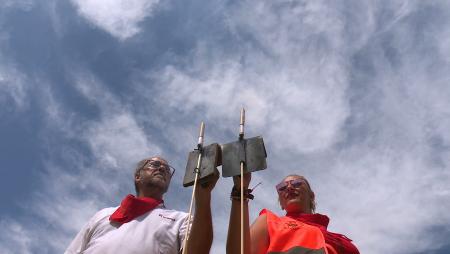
[119, 139]
[14, 238]
[115, 143]
[293, 88]
[12, 81]
[24, 4]
[12, 87]
[121, 18]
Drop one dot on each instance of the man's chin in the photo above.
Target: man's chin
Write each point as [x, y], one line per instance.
[160, 184]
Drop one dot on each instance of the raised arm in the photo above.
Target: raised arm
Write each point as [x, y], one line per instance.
[256, 237]
[201, 235]
[234, 227]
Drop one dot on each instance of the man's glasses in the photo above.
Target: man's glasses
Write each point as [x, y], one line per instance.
[154, 164]
[296, 183]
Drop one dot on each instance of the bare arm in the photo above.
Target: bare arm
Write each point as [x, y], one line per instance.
[201, 235]
[259, 235]
[234, 227]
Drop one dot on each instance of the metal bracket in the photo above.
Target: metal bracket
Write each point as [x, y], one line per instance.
[210, 160]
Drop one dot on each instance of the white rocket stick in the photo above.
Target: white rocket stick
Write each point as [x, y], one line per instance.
[241, 136]
[197, 170]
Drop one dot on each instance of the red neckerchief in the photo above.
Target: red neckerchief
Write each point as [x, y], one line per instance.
[132, 207]
[315, 219]
[341, 243]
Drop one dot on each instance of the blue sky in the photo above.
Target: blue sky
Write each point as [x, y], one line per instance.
[354, 95]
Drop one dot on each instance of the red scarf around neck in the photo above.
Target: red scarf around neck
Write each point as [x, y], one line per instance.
[341, 243]
[132, 207]
[315, 219]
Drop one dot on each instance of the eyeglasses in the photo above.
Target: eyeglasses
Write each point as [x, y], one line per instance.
[154, 164]
[296, 183]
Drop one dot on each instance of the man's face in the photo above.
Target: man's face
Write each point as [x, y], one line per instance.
[155, 173]
[294, 194]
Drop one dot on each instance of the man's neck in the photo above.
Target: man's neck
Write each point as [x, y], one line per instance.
[153, 193]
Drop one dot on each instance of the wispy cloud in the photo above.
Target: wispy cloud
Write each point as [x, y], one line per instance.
[12, 80]
[115, 142]
[24, 4]
[13, 88]
[17, 241]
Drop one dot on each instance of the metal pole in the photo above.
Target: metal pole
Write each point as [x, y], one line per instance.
[242, 208]
[197, 170]
[241, 137]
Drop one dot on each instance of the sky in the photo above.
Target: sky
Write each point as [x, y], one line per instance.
[354, 95]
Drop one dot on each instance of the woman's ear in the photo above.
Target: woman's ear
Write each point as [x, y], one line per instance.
[279, 202]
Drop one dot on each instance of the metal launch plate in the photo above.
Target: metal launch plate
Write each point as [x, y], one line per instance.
[250, 151]
[209, 162]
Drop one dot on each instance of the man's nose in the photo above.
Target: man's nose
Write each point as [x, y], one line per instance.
[161, 168]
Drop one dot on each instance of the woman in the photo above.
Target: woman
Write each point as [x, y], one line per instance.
[301, 230]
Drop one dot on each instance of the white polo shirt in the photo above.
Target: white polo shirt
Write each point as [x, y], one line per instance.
[158, 231]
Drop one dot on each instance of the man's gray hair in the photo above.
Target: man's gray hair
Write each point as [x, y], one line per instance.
[139, 166]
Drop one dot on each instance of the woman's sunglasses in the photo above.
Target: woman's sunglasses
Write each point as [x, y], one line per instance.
[296, 183]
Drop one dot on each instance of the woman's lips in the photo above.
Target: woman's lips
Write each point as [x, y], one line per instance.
[291, 194]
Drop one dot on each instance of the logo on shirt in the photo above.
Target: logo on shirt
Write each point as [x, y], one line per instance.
[165, 217]
[291, 225]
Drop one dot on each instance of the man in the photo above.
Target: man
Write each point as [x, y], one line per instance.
[143, 224]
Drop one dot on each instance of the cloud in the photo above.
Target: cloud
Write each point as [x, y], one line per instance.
[117, 138]
[295, 87]
[13, 82]
[77, 183]
[120, 18]
[17, 240]
[12, 87]
[24, 4]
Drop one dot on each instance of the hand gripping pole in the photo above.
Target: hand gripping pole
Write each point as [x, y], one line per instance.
[200, 168]
[240, 157]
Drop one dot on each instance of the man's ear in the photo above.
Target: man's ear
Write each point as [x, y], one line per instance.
[137, 178]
